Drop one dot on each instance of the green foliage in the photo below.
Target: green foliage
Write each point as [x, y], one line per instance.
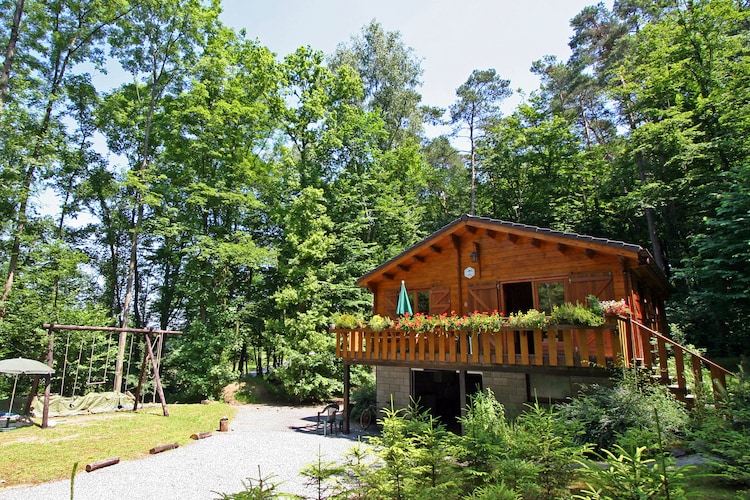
[364, 396]
[346, 320]
[412, 449]
[309, 378]
[530, 319]
[612, 414]
[723, 431]
[595, 305]
[197, 369]
[494, 492]
[355, 479]
[577, 314]
[632, 476]
[533, 456]
[260, 488]
[718, 280]
[319, 473]
[379, 323]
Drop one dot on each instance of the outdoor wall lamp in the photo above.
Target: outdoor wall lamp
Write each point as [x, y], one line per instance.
[474, 255]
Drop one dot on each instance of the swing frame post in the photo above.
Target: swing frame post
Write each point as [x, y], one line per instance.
[48, 377]
[148, 355]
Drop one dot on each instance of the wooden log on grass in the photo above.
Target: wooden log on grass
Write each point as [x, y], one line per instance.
[102, 463]
[163, 447]
[200, 435]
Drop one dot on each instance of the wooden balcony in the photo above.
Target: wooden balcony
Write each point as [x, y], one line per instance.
[623, 342]
[558, 347]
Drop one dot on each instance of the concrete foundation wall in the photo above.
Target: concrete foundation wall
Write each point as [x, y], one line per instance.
[393, 381]
[509, 389]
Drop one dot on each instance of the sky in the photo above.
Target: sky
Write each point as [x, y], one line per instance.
[451, 37]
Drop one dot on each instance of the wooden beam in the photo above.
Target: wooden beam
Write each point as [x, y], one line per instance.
[562, 248]
[163, 447]
[536, 242]
[102, 463]
[157, 378]
[388, 276]
[589, 253]
[403, 267]
[418, 258]
[471, 229]
[513, 238]
[492, 234]
[110, 329]
[456, 241]
[436, 249]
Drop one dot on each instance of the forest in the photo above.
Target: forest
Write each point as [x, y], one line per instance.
[236, 196]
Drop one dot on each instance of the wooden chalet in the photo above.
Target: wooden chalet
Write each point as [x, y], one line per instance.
[484, 265]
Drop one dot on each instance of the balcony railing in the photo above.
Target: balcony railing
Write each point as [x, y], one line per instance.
[561, 346]
[623, 342]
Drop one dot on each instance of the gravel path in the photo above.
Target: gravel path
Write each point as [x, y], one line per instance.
[282, 440]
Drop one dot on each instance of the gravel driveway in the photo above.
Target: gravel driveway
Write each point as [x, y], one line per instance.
[282, 440]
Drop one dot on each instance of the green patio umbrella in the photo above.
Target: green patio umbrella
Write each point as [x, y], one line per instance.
[22, 366]
[403, 306]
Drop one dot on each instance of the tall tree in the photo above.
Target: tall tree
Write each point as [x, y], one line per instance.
[390, 74]
[448, 182]
[209, 244]
[60, 35]
[478, 103]
[155, 43]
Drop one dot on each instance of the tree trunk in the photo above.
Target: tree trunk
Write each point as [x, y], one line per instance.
[128, 299]
[9, 53]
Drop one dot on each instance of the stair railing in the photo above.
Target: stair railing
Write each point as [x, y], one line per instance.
[646, 347]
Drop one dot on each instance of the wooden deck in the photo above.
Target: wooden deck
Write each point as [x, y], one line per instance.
[621, 343]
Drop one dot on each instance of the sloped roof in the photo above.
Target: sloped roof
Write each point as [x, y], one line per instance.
[571, 239]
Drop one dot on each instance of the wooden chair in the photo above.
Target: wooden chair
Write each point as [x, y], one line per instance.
[330, 417]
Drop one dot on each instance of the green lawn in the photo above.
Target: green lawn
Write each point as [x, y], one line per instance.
[33, 455]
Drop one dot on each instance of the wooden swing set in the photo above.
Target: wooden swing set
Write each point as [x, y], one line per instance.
[148, 357]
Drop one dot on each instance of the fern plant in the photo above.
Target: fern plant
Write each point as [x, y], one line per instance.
[575, 314]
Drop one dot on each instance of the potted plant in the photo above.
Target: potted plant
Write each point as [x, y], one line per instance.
[379, 323]
[574, 314]
[345, 320]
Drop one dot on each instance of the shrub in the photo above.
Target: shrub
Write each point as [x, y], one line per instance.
[309, 378]
[630, 475]
[412, 448]
[724, 432]
[534, 457]
[363, 397]
[612, 414]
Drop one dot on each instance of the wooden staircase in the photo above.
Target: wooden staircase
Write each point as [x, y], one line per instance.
[669, 363]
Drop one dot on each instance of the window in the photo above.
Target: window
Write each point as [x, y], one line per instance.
[541, 295]
[549, 295]
[423, 303]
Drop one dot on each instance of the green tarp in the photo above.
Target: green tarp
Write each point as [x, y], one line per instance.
[93, 402]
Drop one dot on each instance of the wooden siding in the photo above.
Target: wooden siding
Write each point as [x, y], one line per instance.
[502, 258]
